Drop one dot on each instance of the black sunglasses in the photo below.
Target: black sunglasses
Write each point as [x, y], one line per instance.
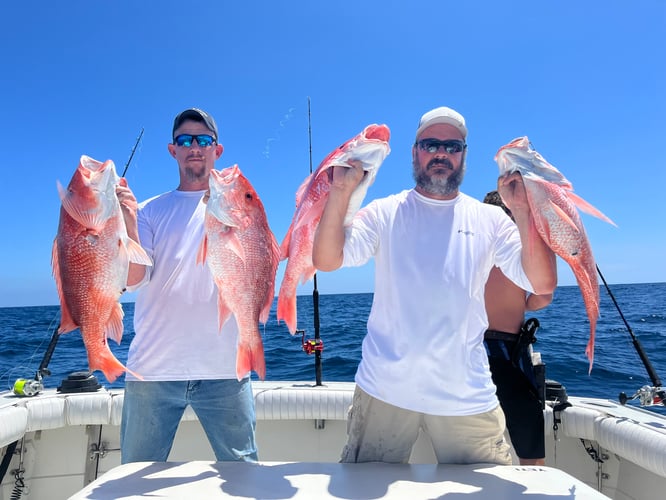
[450, 146]
[203, 140]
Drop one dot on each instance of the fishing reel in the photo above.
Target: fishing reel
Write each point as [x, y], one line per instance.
[647, 396]
[310, 346]
[25, 387]
[28, 387]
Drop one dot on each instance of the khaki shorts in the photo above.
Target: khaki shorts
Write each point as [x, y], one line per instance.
[380, 432]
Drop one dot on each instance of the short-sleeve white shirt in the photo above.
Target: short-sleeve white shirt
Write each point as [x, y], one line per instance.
[175, 315]
[423, 350]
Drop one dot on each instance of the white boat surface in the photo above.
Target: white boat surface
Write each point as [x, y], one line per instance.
[61, 446]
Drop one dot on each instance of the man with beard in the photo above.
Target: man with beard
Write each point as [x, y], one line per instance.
[424, 366]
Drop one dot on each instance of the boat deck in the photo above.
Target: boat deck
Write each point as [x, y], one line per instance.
[301, 480]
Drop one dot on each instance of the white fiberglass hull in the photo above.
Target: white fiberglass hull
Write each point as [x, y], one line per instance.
[65, 442]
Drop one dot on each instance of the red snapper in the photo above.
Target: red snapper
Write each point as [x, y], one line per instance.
[370, 148]
[553, 205]
[90, 259]
[242, 255]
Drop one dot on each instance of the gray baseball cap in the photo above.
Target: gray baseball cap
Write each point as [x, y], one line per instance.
[198, 115]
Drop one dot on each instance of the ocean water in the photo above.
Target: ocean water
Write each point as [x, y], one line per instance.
[25, 333]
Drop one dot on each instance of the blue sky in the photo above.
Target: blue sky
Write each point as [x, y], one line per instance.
[584, 80]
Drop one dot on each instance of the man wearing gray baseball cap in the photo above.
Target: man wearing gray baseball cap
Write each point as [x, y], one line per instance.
[423, 364]
[181, 355]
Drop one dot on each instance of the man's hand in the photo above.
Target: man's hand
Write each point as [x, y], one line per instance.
[128, 206]
[511, 188]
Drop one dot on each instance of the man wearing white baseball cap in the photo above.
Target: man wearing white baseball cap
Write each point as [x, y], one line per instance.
[423, 365]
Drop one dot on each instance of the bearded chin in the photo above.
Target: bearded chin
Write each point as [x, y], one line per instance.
[438, 185]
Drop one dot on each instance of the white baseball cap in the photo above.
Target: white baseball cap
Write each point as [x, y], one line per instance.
[442, 115]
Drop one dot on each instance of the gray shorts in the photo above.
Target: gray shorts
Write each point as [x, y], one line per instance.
[380, 432]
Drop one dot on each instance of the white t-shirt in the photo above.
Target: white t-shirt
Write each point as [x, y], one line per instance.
[424, 347]
[175, 315]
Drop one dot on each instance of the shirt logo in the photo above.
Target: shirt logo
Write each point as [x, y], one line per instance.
[466, 233]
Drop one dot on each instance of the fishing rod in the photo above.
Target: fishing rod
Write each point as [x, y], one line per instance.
[32, 387]
[316, 345]
[646, 394]
[138, 139]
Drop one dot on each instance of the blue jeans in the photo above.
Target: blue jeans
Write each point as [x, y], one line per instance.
[152, 412]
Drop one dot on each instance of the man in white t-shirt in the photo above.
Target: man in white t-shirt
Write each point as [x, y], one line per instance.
[177, 349]
[423, 362]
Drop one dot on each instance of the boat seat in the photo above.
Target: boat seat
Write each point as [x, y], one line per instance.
[13, 423]
[279, 402]
[579, 422]
[292, 402]
[45, 413]
[274, 401]
[637, 442]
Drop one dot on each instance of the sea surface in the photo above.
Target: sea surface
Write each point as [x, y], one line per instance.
[25, 333]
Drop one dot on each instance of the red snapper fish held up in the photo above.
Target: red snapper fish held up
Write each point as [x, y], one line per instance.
[242, 255]
[90, 259]
[557, 221]
[370, 148]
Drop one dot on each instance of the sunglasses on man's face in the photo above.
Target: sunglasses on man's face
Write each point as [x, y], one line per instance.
[203, 140]
[432, 146]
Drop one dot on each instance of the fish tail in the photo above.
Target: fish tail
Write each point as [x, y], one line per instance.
[109, 366]
[250, 357]
[286, 310]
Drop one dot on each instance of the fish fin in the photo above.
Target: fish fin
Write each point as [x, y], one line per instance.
[588, 208]
[91, 220]
[284, 246]
[114, 327]
[275, 260]
[307, 274]
[565, 217]
[137, 254]
[286, 310]
[589, 351]
[235, 245]
[104, 361]
[67, 324]
[250, 357]
[203, 250]
[223, 312]
[312, 215]
[303, 188]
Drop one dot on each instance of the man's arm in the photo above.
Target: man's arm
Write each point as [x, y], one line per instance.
[537, 258]
[535, 302]
[128, 205]
[329, 239]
